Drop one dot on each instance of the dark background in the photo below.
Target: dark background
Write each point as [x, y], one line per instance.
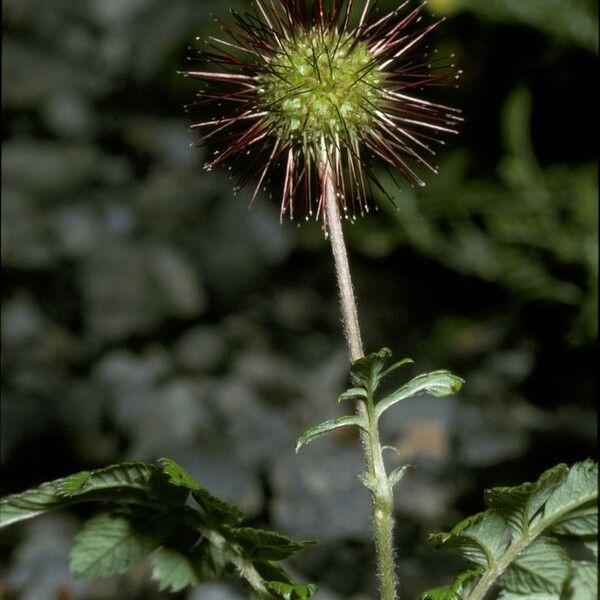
[146, 312]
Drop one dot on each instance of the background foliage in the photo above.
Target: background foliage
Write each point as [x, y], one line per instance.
[147, 312]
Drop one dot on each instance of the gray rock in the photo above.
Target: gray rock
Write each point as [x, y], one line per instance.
[200, 349]
[254, 239]
[173, 415]
[128, 289]
[423, 497]
[317, 493]
[490, 436]
[257, 431]
[117, 13]
[27, 240]
[215, 591]
[60, 168]
[68, 114]
[40, 566]
[167, 141]
[76, 229]
[36, 75]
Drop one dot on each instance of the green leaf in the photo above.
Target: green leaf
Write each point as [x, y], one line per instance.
[366, 372]
[456, 591]
[31, 503]
[437, 383]
[397, 365]
[109, 545]
[136, 476]
[573, 505]
[177, 474]
[480, 539]
[137, 483]
[291, 591]
[542, 567]
[398, 473]
[533, 596]
[74, 483]
[310, 434]
[217, 510]
[521, 504]
[129, 482]
[279, 583]
[511, 539]
[146, 507]
[265, 545]
[173, 571]
[582, 583]
[352, 394]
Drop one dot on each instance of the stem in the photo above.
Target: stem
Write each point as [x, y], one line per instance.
[244, 567]
[342, 268]
[381, 490]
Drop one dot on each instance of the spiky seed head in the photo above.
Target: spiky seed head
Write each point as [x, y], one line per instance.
[299, 83]
[319, 87]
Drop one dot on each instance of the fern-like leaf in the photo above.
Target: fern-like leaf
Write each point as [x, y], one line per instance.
[517, 541]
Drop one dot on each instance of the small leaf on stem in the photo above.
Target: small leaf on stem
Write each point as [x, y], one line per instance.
[310, 434]
[352, 394]
[398, 473]
[438, 383]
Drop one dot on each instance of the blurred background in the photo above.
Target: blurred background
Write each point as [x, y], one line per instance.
[146, 312]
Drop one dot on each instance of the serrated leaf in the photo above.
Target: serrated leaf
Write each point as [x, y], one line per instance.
[573, 505]
[352, 394]
[177, 474]
[216, 509]
[365, 372]
[31, 503]
[542, 567]
[265, 545]
[124, 475]
[310, 434]
[397, 474]
[519, 505]
[122, 483]
[582, 583]
[533, 565]
[291, 591]
[74, 483]
[456, 591]
[109, 545]
[173, 571]
[436, 383]
[481, 538]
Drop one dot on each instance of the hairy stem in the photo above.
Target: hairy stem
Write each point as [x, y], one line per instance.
[244, 567]
[342, 268]
[381, 491]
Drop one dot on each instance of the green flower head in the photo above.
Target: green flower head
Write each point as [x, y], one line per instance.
[302, 90]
